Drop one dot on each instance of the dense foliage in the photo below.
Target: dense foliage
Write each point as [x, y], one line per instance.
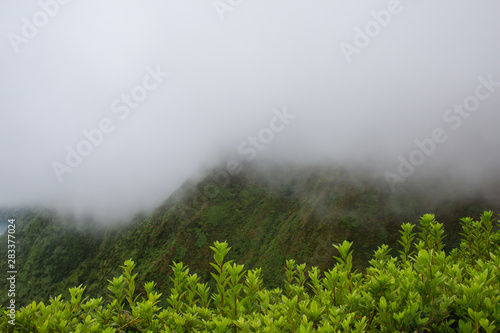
[46, 254]
[423, 289]
[267, 217]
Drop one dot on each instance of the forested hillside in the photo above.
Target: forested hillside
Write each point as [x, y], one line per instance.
[267, 216]
[422, 289]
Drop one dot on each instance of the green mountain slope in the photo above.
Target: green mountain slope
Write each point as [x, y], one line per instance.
[268, 216]
[47, 252]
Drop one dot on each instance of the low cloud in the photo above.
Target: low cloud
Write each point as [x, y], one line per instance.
[93, 124]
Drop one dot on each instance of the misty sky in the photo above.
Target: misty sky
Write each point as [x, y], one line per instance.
[176, 86]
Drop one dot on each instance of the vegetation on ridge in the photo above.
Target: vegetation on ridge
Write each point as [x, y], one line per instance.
[267, 218]
[423, 289]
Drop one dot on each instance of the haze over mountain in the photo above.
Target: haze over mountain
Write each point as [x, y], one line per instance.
[267, 216]
[276, 82]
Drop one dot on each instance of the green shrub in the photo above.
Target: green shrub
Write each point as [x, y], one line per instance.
[422, 290]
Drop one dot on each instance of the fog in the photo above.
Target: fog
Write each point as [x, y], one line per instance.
[107, 107]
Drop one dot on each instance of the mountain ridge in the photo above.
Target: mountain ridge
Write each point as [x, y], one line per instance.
[267, 216]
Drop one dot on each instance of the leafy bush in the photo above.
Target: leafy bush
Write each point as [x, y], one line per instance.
[422, 290]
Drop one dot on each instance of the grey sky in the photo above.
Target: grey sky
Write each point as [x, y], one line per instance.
[225, 78]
